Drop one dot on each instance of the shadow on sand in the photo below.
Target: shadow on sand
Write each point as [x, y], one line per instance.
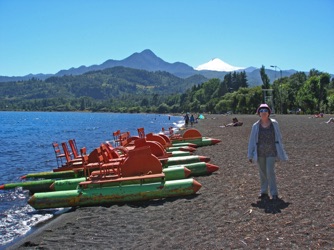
[271, 206]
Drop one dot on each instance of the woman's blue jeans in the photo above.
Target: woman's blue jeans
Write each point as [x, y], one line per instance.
[267, 175]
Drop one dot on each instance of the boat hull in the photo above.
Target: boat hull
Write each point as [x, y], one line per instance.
[199, 142]
[184, 160]
[176, 173]
[111, 195]
[55, 175]
[32, 186]
[198, 168]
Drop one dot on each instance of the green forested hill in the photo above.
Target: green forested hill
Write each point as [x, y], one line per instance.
[120, 85]
[121, 89]
[103, 84]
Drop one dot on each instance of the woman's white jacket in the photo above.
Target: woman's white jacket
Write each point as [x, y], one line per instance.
[253, 140]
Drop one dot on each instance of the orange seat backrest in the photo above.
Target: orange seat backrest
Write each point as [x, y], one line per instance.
[140, 161]
[112, 152]
[66, 152]
[168, 141]
[123, 138]
[192, 134]
[157, 138]
[94, 156]
[141, 132]
[58, 153]
[73, 147]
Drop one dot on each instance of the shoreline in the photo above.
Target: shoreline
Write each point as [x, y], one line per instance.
[225, 213]
[36, 230]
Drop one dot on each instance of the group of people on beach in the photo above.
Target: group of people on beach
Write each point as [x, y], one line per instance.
[190, 120]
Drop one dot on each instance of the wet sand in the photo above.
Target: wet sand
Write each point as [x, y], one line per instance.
[226, 212]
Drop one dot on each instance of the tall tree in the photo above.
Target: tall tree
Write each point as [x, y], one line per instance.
[243, 80]
[323, 85]
[265, 79]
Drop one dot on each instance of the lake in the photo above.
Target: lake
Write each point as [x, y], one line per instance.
[26, 147]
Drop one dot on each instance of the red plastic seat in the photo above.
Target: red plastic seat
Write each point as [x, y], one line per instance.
[74, 148]
[69, 161]
[59, 155]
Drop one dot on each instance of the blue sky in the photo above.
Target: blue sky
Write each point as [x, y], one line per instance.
[45, 36]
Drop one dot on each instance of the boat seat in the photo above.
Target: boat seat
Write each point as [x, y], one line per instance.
[141, 132]
[123, 139]
[156, 148]
[89, 166]
[140, 161]
[126, 139]
[111, 154]
[157, 138]
[168, 141]
[75, 165]
[99, 164]
[59, 155]
[74, 149]
[68, 156]
[96, 175]
[192, 134]
[110, 166]
[116, 135]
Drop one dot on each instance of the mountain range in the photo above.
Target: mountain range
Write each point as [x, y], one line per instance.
[147, 60]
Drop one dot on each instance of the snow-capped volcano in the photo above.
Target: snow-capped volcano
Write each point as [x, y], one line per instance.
[217, 65]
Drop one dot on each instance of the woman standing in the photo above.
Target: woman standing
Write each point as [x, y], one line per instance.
[265, 146]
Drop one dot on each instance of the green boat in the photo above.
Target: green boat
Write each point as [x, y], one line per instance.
[175, 173]
[184, 160]
[111, 195]
[193, 136]
[55, 175]
[179, 172]
[32, 186]
[77, 173]
[198, 168]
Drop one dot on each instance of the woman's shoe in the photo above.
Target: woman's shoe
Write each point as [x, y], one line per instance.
[264, 197]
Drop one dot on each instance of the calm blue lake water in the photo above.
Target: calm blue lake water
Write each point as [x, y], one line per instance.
[25, 147]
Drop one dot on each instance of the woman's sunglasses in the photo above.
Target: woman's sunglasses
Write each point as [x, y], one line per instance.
[263, 110]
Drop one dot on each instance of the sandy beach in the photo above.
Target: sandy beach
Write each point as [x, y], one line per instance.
[226, 212]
